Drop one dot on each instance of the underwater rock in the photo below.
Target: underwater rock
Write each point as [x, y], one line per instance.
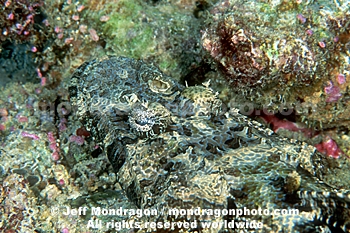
[16, 205]
[283, 54]
[18, 20]
[173, 146]
[16, 64]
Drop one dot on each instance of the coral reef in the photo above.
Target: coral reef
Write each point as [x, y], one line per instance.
[41, 169]
[168, 144]
[204, 156]
[41, 140]
[166, 34]
[17, 207]
[66, 33]
[18, 19]
[284, 55]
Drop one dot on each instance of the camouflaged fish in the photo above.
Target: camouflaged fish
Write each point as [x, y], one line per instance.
[177, 147]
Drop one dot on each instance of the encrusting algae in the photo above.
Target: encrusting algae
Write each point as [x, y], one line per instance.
[152, 105]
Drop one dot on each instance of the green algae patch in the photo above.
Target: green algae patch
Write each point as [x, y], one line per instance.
[165, 34]
[129, 35]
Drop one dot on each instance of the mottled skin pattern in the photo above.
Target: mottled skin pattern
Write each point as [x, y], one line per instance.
[178, 147]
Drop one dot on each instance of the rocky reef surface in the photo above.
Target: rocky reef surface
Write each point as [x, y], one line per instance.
[290, 53]
[285, 57]
[177, 136]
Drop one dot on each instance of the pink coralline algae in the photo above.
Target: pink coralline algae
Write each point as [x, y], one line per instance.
[55, 156]
[61, 182]
[341, 79]
[17, 19]
[333, 93]
[51, 137]
[53, 146]
[11, 16]
[77, 139]
[62, 125]
[22, 119]
[309, 32]
[329, 147]
[278, 124]
[29, 135]
[301, 18]
[93, 35]
[80, 8]
[322, 44]
[75, 17]
[34, 49]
